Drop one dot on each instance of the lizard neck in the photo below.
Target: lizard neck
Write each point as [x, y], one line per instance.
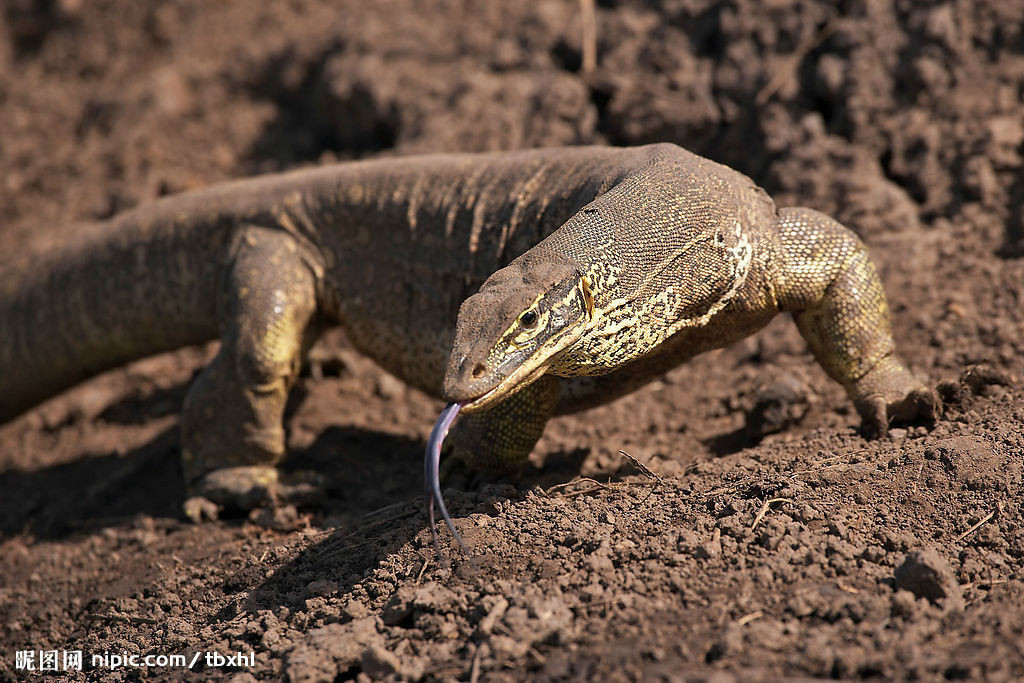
[664, 250]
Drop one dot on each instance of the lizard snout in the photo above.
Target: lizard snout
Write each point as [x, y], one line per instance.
[468, 379]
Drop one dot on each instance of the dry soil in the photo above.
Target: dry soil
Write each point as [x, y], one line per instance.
[777, 543]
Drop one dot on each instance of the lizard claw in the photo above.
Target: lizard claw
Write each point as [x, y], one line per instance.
[249, 487]
[889, 394]
[198, 509]
[920, 404]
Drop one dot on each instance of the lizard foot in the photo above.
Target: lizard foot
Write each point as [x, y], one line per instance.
[463, 467]
[246, 488]
[896, 397]
[462, 472]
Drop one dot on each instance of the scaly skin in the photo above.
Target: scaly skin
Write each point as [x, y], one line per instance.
[678, 258]
[655, 254]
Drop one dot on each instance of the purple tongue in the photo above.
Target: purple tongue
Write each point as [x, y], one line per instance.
[431, 467]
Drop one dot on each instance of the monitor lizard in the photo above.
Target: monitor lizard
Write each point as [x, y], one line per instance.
[520, 285]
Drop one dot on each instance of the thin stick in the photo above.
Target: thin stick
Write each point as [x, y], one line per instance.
[646, 471]
[588, 18]
[788, 69]
[764, 510]
[419, 577]
[576, 481]
[583, 492]
[981, 584]
[650, 474]
[725, 489]
[975, 527]
[474, 672]
[386, 508]
[744, 620]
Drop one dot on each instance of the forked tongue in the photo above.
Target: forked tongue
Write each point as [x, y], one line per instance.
[431, 469]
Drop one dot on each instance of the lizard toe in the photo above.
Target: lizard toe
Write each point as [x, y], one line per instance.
[244, 488]
[874, 417]
[238, 488]
[920, 405]
[198, 509]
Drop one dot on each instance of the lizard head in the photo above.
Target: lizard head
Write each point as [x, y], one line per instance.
[508, 333]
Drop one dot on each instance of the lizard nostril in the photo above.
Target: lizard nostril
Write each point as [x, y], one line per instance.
[479, 370]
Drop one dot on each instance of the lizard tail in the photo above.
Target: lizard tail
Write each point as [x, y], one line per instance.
[116, 292]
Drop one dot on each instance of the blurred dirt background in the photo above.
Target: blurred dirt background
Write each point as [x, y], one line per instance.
[778, 544]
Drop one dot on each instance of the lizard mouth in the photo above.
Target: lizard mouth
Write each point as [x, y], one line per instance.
[526, 373]
[523, 375]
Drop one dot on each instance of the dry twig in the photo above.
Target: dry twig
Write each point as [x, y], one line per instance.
[474, 672]
[788, 69]
[984, 584]
[975, 527]
[588, 18]
[646, 471]
[764, 510]
[419, 577]
[744, 620]
[577, 480]
[583, 492]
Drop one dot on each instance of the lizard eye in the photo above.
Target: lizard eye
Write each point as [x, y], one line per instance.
[528, 319]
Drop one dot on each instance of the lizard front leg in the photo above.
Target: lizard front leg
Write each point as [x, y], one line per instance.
[500, 439]
[232, 432]
[828, 282]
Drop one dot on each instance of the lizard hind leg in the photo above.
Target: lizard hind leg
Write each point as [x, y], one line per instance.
[832, 288]
[232, 432]
[499, 440]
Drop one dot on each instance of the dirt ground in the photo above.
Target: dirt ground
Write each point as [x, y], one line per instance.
[777, 544]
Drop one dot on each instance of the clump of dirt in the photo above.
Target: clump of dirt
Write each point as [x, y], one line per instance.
[774, 543]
